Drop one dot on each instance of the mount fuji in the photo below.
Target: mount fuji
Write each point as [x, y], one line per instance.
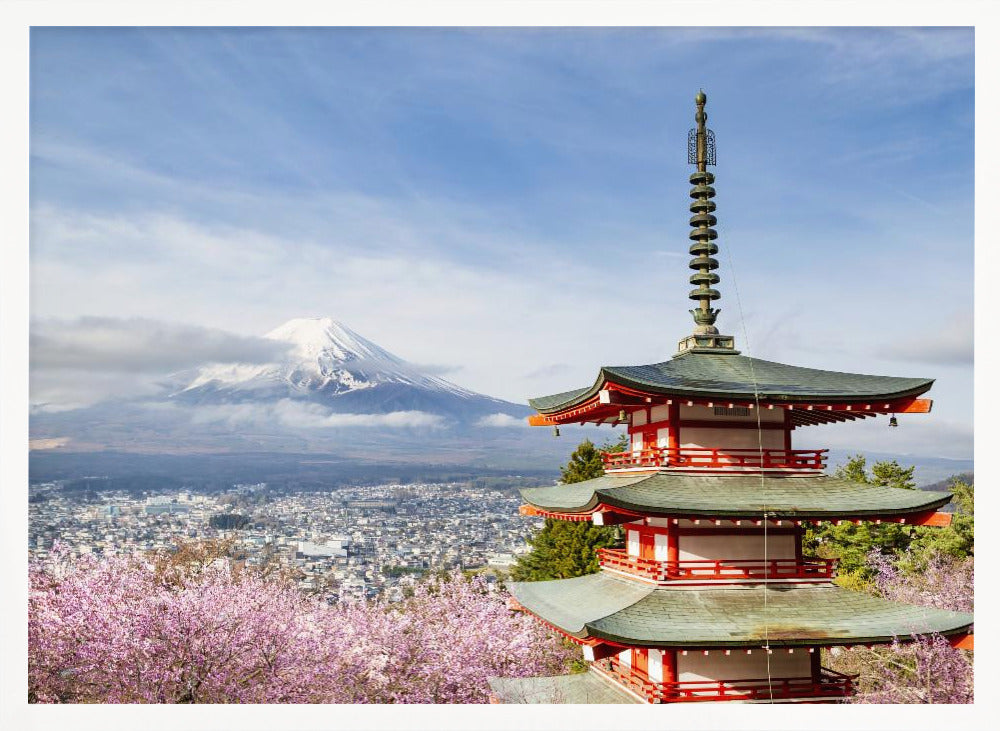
[329, 391]
[330, 365]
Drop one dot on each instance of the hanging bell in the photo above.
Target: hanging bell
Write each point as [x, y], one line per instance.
[622, 416]
[893, 421]
[555, 431]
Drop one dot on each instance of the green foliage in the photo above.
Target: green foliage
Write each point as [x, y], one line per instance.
[584, 464]
[564, 549]
[957, 540]
[851, 543]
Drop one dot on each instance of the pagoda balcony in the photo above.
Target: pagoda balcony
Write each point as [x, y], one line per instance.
[830, 684]
[717, 460]
[616, 559]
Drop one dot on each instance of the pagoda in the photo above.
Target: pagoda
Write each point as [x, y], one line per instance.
[711, 598]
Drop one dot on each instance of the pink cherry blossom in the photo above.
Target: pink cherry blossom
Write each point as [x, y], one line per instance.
[119, 631]
[925, 669]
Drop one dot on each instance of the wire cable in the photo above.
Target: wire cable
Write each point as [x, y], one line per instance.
[760, 449]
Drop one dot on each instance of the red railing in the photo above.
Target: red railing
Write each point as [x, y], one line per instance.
[718, 459]
[720, 570]
[829, 685]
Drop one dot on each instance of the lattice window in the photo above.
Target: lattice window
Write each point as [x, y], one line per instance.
[735, 411]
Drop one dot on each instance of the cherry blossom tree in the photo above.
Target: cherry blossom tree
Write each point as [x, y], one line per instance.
[923, 669]
[123, 630]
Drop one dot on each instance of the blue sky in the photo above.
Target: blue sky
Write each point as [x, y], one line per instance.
[509, 207]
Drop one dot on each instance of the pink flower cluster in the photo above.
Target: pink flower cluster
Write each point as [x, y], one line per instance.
[945, 582]
[119, 631]
[927, 669]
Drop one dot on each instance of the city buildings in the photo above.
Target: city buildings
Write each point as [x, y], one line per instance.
[347, 544]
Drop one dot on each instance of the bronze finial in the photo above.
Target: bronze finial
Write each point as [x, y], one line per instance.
[701, 152]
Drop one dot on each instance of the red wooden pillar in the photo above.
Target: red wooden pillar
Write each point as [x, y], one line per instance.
[647, 544]
[669, 666]
[673, 551]
[816, 664]
[640, 661]
[788, 429]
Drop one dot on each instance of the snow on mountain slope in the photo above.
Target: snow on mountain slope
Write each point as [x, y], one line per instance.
[328, 362]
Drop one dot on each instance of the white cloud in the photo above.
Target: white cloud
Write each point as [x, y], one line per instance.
[502, 420]
[304, 415]
[952, 345]
[77, 363]
[140, 345]
[425, 308]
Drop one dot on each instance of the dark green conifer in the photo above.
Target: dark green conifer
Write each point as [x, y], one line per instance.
[564, 549]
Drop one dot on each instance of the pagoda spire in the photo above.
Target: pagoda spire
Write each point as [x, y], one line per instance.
[701, 152]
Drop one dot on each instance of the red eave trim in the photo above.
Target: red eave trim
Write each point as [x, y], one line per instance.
[962, 641]
[933, 519]
[591, 409]
[616, 515]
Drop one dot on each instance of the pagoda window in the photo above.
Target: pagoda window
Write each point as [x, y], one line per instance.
[625, 657]
[638, 418]
[734, 411]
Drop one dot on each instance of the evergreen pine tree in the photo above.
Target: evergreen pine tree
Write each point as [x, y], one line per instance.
[850, 542]
[563, 549]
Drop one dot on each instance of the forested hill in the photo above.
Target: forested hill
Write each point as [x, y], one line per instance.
[967, 477]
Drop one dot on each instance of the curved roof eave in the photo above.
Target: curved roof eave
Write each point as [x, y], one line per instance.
[817, 497]
[621, 611]
[720, 377]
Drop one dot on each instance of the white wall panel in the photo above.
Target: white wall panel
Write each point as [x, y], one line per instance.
[633, 543]
[659, 547]
[740, 666]
[731, 438]
[655, 666]
[661, 413]
[715, 547]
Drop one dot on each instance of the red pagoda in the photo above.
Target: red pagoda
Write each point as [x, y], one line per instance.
[711, 599]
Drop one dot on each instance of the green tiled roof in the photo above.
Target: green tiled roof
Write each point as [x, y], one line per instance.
[729, 616]
[571, 604]
[736, 496]
[579, 688]
[727, 375]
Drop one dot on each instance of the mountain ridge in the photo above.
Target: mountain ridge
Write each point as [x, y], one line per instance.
[324, 356]
[331, 391]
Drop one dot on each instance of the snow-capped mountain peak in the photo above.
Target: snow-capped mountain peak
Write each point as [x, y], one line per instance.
[324, 357]
[313, 338]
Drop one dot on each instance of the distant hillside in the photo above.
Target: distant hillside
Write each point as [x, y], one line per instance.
[945, 483]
